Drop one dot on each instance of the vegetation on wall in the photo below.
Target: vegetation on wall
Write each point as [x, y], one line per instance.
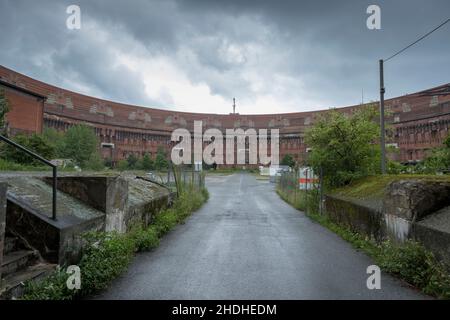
[409, 261]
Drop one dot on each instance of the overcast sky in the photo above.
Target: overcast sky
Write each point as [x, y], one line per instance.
[273, 56]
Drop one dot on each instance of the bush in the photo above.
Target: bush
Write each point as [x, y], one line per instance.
[413, 263]
[53, 287]
[13, 166]
[288, 160]
[144, 239]
[56, 139]
[80, 144]
[132, 161]
[122, 165]
[35, 143]
[95, 162]
[146, 163]
[344, 147]
[106, 256]
[160, 160]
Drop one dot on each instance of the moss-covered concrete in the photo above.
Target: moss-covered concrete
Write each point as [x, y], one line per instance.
[111, 202]
[396, 207]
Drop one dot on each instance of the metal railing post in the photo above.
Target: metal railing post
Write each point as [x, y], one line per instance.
[55, 184]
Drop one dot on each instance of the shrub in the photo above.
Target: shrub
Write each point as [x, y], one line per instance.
[147, 163]
[13, 166]
[106, 256]
[132, 161]
[95, 162]
[122, 165]
[56, 139]
[53, 287]
[35, 143]
[413, 263]
[144, 239]
[343, 146]
[80, 143]
[160, 160]
[288, 160]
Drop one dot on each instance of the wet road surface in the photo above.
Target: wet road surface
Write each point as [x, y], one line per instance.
[246, 243]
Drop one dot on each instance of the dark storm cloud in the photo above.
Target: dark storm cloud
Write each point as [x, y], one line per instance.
[303, 54]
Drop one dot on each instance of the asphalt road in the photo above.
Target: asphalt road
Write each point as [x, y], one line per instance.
[246, 243]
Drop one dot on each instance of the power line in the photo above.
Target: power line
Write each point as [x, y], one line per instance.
[421, 38]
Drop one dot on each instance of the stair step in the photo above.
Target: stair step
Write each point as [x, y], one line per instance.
[10, 244]
[13, 285]
[17, 260]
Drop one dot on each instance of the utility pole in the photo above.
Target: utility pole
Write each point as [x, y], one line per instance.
[234, 106]
[382, 91]
[382, 133]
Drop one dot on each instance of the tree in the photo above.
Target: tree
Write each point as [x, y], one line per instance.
[160, 161]
[122, 165]
[80, 143]
[147, 162]
[35, 143]
[4, 108]
[95, 162]
[108, 162]
[345, 146]
[132, 161]
[56, 139]
[288, 160]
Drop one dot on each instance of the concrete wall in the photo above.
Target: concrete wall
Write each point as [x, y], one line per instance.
[410, 209]
[121, 201]
[111, 195]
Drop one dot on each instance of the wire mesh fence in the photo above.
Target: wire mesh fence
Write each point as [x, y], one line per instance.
[302, 188]
[178, 177]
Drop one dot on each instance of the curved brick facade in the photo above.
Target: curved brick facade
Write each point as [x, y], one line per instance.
[421, 120]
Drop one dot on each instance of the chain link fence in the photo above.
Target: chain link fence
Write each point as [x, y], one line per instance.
[178, 177]
[302, 188]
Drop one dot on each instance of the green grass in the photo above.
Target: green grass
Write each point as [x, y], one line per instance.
[409, 261]
[373, 186]
[13, 166]
[107, 254]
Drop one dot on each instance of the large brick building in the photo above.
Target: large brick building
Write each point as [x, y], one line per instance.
[420, 121]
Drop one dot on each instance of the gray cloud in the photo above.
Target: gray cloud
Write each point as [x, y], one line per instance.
[303, 54]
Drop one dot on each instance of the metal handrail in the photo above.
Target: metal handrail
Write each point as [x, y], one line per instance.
[38, 157]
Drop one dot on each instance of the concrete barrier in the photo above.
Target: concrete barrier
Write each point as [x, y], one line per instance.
[409, 209]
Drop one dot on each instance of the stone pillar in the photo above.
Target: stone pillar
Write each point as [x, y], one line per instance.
[2, 224]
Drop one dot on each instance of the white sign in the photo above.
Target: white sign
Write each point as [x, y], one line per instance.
[307, 180]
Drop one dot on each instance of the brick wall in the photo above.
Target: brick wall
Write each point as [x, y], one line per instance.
[26, 111]
[419, 121]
